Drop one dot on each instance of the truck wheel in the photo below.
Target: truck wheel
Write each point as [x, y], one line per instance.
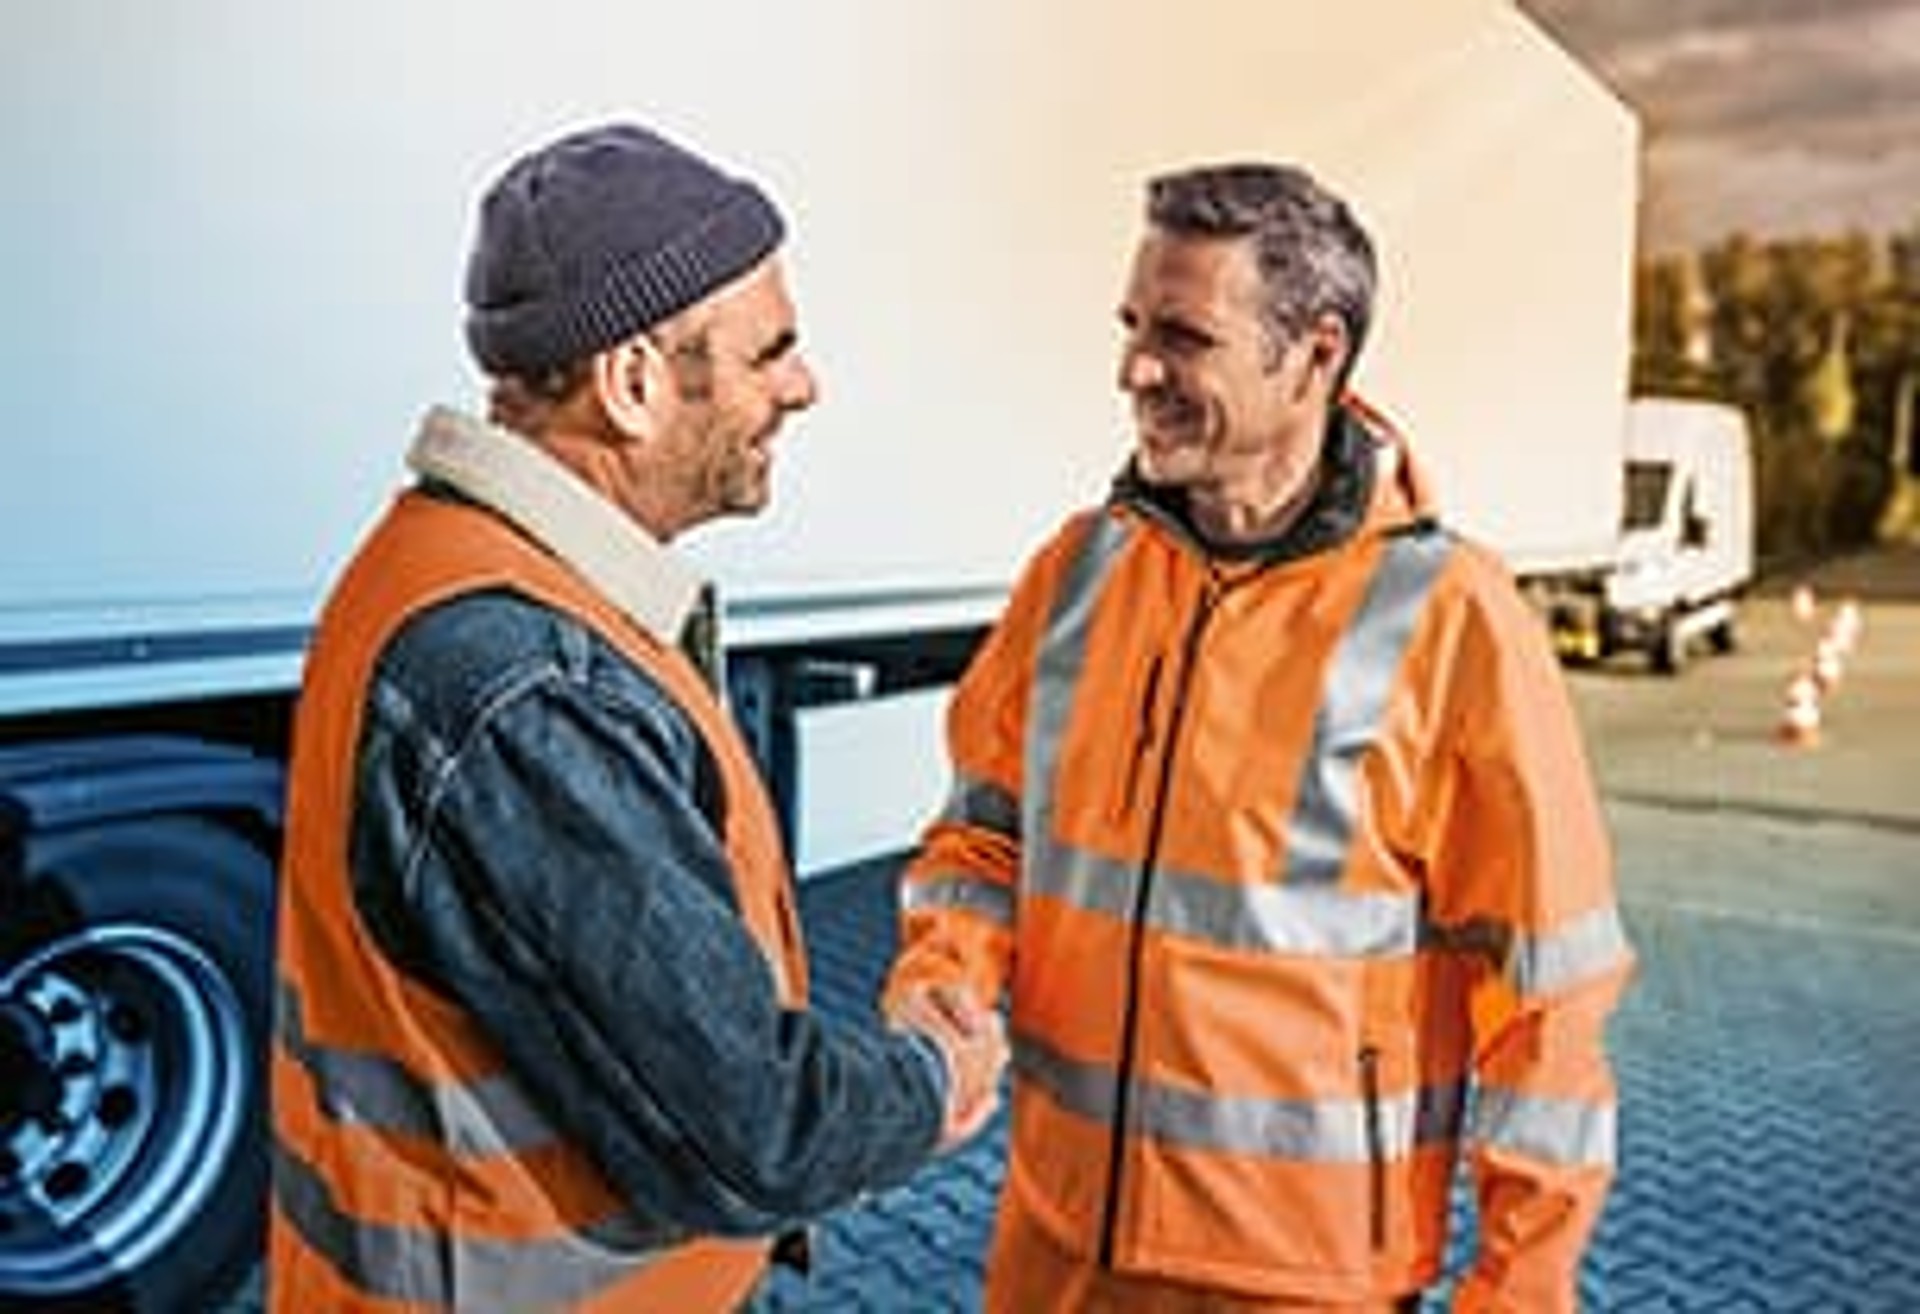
[136, 1178]
[1723, 638]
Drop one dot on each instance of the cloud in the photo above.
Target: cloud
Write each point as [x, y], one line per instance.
[1602, 28]
[1776, 116]
[1698, 192]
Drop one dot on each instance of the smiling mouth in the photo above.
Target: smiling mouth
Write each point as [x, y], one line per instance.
[1163, 409]
[1167, 421]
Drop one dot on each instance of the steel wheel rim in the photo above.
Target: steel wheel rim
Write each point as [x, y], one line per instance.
[152, 1048]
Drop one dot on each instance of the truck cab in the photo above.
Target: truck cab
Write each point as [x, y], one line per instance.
[1684, 553]
[1686, 538]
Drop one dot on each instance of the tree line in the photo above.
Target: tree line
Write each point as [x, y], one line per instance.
[1818, 339]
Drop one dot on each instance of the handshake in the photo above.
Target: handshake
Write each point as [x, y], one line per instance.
[971, 1038]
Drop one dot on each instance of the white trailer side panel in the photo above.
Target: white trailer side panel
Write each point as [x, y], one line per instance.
[235, 233]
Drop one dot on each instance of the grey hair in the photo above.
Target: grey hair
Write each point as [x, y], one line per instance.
[1313, 255]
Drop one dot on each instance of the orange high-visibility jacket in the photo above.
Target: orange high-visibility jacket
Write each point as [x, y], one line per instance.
[1278, 863]
[410, 1169]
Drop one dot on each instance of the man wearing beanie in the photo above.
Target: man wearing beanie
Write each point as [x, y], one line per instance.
[542, 1033]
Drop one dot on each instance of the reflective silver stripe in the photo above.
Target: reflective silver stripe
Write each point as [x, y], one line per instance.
[962, 891]
[1086, 1089]
[1440, 1116]
[1311, 1131]
[1360, 678]
[1312, 920]
[428, 1267]
[1541, 965]
[1090, 882]
[1571, 1132]
[390, 1262]
[1584, 948]
[1480, 938]
[1303, 1131]
[1309, 920]
[983, 805]
[472, 1119]
[1057, 666]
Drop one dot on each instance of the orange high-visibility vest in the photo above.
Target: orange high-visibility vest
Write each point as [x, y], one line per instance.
[1276, 864]
[411, 1170]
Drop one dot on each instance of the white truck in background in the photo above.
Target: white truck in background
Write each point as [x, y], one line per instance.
[1686, 545]
[231, 269]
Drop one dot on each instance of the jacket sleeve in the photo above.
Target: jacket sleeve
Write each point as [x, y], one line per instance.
[959, 896]
[1522, 878]
[565, 885]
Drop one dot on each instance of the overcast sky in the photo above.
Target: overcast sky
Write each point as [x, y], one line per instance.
[1780, 117]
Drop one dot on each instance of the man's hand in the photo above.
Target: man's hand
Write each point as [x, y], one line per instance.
[972, 1039]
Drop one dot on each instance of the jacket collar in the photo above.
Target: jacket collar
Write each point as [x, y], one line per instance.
[510, 476]
[1350, 467]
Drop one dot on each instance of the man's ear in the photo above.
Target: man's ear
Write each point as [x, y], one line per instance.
[1328, 347]
[631, 380]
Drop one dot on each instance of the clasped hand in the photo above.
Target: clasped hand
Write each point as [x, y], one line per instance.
[973, 1039]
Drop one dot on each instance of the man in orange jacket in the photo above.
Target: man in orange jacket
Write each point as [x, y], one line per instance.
[1271, 826]
[542, 1038]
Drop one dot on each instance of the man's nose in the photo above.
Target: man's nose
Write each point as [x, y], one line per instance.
[1140, 369]
[801, 387]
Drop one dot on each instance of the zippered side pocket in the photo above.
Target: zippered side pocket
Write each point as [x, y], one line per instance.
[1376, 1146]
[1145, 722]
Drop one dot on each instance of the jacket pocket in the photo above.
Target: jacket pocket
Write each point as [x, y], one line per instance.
[1141, 741]
[1376, 1147]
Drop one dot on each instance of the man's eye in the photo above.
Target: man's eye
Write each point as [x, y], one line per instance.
[1182, 340]
[776, 351]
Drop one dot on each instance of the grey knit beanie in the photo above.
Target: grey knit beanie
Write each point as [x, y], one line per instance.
[592, 239]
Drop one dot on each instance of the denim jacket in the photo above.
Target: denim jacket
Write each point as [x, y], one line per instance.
[537, 834]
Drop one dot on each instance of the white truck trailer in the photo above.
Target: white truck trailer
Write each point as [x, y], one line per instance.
[231, 264]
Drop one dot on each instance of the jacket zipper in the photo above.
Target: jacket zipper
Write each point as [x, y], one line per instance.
[1376, 1145]
[1136, 936]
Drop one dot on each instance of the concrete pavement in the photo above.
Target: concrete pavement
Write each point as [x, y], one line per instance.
[1710, 742]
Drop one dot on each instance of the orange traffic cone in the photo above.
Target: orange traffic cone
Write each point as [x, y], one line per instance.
[1800, 719]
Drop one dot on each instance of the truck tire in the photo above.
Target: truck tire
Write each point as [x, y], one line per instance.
[142, 1185]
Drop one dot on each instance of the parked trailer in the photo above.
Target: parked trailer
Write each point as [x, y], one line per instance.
[232, 266]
